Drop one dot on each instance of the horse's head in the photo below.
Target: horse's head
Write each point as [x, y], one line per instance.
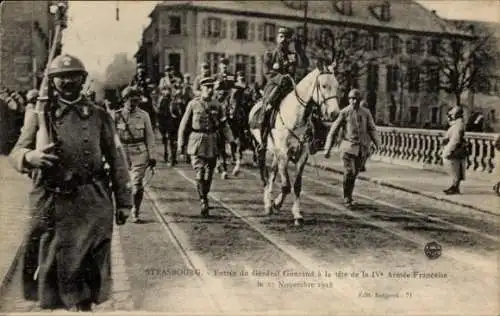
[326, 90]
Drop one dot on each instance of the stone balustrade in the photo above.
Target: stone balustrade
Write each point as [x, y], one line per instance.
[421, 148]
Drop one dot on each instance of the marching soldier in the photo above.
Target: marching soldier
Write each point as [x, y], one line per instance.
[281, 64]
[137, 136]
[69, 243]
[204, 117]
[223, 87]
[145, 87]
[359, 131]
[205, 72]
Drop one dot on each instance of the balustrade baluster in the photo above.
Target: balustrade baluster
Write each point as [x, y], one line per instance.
[427, 153]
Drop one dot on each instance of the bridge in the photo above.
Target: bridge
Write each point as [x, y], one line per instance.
[371, 259]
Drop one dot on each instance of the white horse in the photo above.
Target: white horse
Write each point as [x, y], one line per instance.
[287, 140]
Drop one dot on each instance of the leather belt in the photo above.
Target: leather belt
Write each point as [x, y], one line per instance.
[76, 180]
[133, 142]
[206, 131]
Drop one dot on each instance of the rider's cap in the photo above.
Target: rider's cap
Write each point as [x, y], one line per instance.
[168, 68]
[204, 66]
[240, 73]
[285, 31]
[354, 93]
[187, 76]
[32, 94]
[207, 81]
[224, 60]
[130, 91]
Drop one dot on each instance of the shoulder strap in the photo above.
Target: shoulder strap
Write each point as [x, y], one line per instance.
[127, 127]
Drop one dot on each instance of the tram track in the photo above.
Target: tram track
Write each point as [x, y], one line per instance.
[454, 254]
[298, 258]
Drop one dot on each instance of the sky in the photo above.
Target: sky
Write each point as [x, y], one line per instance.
[94, 35]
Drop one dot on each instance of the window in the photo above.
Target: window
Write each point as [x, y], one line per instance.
[212, 59]
[343, 7]
[246, 64]
[413, 114]
[381, 11]
[372, 77]
[349, 40]
[241, 30]
[413, 79]
[433, 46]
[392, 77]
[414, 46]
[269, 32]
[372, 41]
[326, 39]
[433, 81]
[213, 27]
[174, 25]
[434, 115]
[395, 45]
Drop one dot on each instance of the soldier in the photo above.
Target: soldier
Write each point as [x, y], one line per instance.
[69, 242]
[223, 87]
[136, 134]
[165, 82]
[204, 117]
[358, 130]
[205, 72]
[145, 86]
[279, 63]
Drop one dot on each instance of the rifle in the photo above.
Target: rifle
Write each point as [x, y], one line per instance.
[45, 134]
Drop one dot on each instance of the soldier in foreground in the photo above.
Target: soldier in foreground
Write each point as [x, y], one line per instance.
[137, 136]
[67, 255]
[205, 118]
[359, 132]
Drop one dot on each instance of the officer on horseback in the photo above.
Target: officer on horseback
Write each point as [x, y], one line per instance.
[281, 65]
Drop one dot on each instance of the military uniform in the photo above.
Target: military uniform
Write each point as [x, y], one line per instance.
[204, 119]
[69, 239]
[145, 85]
[137, 136]
[359, 131]
[280, 67]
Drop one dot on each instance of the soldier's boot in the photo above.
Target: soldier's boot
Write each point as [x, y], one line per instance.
[137, 200]
[200, 187]
[348, 187]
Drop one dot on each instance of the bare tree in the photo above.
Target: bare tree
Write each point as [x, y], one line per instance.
[461, 62]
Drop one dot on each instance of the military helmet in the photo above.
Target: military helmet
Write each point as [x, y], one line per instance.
[130, 91]
[32, 94]
[354, 93]
[66, 64]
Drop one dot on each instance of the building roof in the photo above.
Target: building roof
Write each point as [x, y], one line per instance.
[406, 15]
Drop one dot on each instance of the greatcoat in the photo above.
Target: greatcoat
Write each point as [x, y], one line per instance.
[68, 245]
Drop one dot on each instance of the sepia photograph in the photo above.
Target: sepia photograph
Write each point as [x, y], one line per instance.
[250, 157]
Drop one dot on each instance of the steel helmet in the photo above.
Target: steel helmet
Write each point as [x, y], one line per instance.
[32, 94]
[130, 91]
[354, 93]
[64, 64]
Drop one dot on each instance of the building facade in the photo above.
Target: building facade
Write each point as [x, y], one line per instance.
[26, 29]
[397, 43]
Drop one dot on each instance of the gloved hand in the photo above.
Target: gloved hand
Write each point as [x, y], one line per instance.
[121, 215]
[41, 158]
[152, 162]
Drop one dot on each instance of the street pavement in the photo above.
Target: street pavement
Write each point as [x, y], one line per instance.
[366, 260]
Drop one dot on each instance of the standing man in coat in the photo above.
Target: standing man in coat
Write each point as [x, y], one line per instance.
[455, 150]
[138, 139]
[68, 250]
[359, 131]
[205, 118]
